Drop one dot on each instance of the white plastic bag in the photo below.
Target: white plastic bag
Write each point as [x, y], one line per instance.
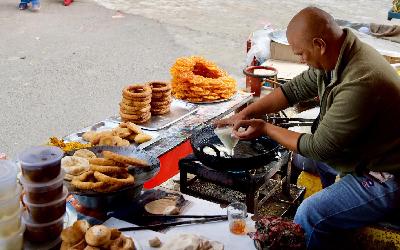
[260, 46]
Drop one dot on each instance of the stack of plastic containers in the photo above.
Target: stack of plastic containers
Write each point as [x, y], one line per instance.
[11, 228]
[44, 195]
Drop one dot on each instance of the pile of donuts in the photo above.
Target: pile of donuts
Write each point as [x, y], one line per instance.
[160, 98]
[123, 135]
[140, 101]
[82, 236]
[86, 171]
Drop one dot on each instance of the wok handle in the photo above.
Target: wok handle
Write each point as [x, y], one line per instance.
[211, 146]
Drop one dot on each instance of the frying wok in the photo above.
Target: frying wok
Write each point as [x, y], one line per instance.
[247, 154]
[108, 201]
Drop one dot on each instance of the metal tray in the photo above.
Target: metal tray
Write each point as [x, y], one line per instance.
[109, 125]
[105, 201]
[215, 101]
[179, 109]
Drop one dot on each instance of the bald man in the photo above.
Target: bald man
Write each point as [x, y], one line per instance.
[358, 133]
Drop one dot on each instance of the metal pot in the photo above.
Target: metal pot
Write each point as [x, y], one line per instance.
[247, 154]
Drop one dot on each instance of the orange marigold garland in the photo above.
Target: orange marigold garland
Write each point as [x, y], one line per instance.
[198, 80]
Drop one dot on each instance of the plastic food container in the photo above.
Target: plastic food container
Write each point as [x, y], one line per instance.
[10, 224]
[8, 178]
[46, 212]
[42, 232]
[9, 205]
[13, 241]
[45, 192]
[41, 163]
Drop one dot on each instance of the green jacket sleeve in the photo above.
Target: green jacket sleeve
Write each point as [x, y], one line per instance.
[301, 88]
[348, 116]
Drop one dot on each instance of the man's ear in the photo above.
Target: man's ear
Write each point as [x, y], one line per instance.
[320, 44]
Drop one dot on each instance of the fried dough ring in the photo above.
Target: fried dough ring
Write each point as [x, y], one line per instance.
[134, 128]
[136, 102]
[136, 91]
[162, 103]
[137, 118]
[102, 162]
[162, 112]
[142, 138]
[139, 109]
[127, 179]
[85, 153]
[135, 112]
[160, 86]
[96, 137]
[139, 121]
[109, 170]
[89, 135]
[161, 95]
[122, 243]
[121, 132]
[108, 140]
[125, 159]
[85, 182]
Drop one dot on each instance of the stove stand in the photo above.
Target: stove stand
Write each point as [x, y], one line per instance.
[257, 186]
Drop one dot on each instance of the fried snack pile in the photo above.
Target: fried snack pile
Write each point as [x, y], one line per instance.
[106, 174]
[67, 146]
[135, 104]
[160, 98]
[197, 80]
[122, 135]
[82, 236]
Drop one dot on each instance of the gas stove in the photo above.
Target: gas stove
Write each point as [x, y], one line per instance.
[254, 187]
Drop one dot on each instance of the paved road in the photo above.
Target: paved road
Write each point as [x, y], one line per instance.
[63, 68]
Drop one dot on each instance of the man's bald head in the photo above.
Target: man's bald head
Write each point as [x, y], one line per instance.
[313, 28]
[313, 22]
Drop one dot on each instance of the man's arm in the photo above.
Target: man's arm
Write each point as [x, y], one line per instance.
[272, 103]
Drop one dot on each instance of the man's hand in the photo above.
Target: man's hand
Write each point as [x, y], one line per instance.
[230, 121]
[254, 128]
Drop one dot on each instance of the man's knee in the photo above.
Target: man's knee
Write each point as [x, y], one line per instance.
[305, 212]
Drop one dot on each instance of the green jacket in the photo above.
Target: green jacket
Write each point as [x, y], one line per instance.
[360, 110]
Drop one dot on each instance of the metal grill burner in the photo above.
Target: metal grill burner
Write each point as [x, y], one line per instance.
[255, 184]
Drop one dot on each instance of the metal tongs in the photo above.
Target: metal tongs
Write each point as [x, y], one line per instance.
[204, 219]
[286, 122]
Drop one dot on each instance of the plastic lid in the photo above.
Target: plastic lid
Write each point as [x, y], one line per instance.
[27, 220]
[33, 185]
[63, 197]
[8, 171]
[40, 156]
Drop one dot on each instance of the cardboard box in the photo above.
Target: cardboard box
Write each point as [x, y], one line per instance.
[283, 52]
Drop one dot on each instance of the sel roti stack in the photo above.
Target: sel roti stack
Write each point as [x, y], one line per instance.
[11, 228]
[45, 194]
[135, 104]
[160, 97]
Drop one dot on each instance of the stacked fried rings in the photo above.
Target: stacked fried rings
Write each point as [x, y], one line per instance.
[161, 98]
[135, 105]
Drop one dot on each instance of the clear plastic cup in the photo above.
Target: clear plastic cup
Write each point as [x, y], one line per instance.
[13, 241]
[237, 213]
[46, 212]
[9, 205]
[41, 163]
[43, 192]
[10, 224]
[42, 232]
[8, 178]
